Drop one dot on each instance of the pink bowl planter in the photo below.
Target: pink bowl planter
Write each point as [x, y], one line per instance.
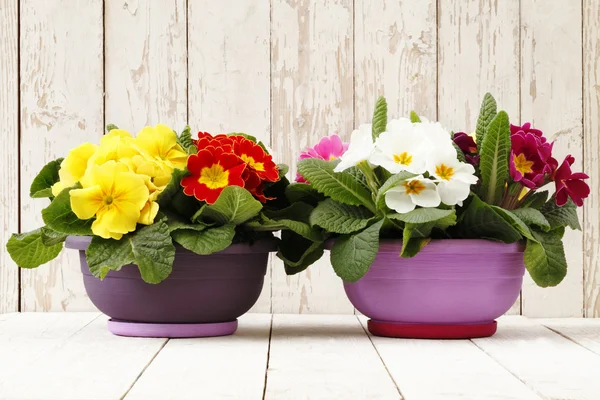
[453, 288]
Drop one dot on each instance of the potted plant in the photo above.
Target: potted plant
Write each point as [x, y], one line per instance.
[164, 227]
[431, 231]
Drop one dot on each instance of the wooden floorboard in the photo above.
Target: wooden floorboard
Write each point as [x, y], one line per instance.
[228, 367]
[447, 370]
[548, 363]
[324, 357]
[585, 332]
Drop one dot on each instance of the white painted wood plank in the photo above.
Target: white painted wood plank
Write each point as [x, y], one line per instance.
[550, 364]
[585, 332]
[591, 162]
[551, 99]
[146, 64]
[312, 97]
[229, 75]
[395, 56]
[459, 369]
[324, 357]
[228, 367]
[478, 53]
[90, 364]
[9, 148]
[61, 106]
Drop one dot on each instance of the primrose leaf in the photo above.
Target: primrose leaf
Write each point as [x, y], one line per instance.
[50, 237]
[480, 221]
[487, 113]
[379, 118]
[493, 164]
[208, 241]
[43, 182]
[532, 217]
[235, 205]
[297, 192]
[561, 216]
[340, 218]
[296, 218]
[166, 196]
[352, 255]
[414, 117]
[545, 258]
[59, 217]
[186, 142]
[28, 251]
[536, 200]
[298, 253]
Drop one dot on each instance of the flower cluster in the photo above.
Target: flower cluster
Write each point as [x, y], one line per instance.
[329, 148]
[423, 149]
[228, 160]
[121, 178]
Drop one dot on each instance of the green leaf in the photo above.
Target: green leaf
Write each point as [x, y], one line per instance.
[423, 215]
[536, 200]
[340, 218]
[207, 241]
[393, 181]
[283, 169]
[297, 192]
[59, 217]
[298, 253]
[532, 217]
[50, 237]
[414, 117]
[166, 196]
[481, 221]
[561, 216]
[514, 221]
[186, 142]
[352, 256]
[150, 248]
[545, 259]
[176, 222]
[42, 183]
[459, 153]
[379, 118]
[28, 251]
[487, 113]
[340, 186]
[296, 218]
[110, 127]
[235, 205]
[412, 246]
[493, 163]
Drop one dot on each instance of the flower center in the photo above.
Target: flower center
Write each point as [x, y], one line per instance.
[444, 172]
[332, 157]
[250, 161]
[403, 158]
[522, 165]
[413, 187]
[214, 177]
[108, 200]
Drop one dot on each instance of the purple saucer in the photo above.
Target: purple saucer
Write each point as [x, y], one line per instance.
[142, 329]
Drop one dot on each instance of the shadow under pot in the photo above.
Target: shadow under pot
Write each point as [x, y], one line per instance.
[203, 296]
[451, 289]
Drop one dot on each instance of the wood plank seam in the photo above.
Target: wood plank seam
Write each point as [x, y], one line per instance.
[509, 371]
[569, 338]
[144, 369]
[380, 358]
[268, 358]
[83, 327]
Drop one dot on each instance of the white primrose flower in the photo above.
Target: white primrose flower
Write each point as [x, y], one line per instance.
[412, 192]
[453, 176]
[360, 149]
[434, 133]
[400, 148]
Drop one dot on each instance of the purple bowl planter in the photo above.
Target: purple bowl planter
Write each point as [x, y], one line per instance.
[203, 296]
[451, 289]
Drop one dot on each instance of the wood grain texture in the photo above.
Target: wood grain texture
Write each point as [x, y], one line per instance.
[548, 363]
[478, 53]
[395, 56]
[312, 96]
[551, 99]
[324, 357]
[9, 148]
[460, 370]
[585, 332]
[146, 63]
[591, 162]
[228, 367]
[229, 75]
[61, 105]
[87, 363]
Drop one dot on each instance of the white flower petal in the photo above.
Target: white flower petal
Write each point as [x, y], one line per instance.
[360, 149]
[453, 192]
[398, 200]
[428, 197]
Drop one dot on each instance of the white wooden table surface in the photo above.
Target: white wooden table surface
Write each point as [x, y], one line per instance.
[73, 356]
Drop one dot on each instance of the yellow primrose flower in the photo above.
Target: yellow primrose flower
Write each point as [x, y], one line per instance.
[160, 142]
[73, 167]
[115, 145]
[114, 195]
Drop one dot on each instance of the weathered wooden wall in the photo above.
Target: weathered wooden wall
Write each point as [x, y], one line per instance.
[289, 72]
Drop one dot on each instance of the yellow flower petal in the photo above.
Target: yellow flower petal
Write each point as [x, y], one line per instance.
[76, 161]
[116, 218]
[85, 203]
[130, 188]
[57, 188]
[148, 213]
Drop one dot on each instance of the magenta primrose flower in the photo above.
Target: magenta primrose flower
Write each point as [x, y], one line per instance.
[530, 159]
[329, 148]
[570, 184]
